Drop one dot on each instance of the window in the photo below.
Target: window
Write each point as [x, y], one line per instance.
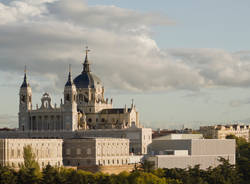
[12, 153]
[67, 151]
[89, 151]
[67, 97]
[88, 162]
[78, 151]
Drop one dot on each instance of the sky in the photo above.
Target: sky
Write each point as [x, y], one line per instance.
[183, 62]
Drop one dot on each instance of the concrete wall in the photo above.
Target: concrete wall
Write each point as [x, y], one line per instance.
[213, 147]
[205, 161]
[160, 145]
[195, 146]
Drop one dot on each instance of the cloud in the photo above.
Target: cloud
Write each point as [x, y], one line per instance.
[239, 102]
[8, 121]
[47, 35]
[111, 18]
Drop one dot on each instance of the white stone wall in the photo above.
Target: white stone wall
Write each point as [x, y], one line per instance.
[87, 152]
[47, 151]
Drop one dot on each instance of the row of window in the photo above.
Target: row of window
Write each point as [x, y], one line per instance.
[38, 153]
[113, 162]
[100, 162]
[79, 151]
[43, 164]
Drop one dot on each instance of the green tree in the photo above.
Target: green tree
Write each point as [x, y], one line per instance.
[7, 175]
[145, 178]
[52, 175]
[29, 171]
[242, 158]
[147, 166]
[29, 159]
[28, 176]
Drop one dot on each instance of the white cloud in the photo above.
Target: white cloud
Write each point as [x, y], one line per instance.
[48, 35]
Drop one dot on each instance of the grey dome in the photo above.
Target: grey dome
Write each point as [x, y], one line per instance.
[86, 79]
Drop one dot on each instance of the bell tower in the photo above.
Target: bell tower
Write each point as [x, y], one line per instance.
[25, 103]
[70, 115]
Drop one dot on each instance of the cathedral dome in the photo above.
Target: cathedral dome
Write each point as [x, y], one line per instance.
[86, 79]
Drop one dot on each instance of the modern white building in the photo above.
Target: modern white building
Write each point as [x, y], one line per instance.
[179, 136]
[191, 152]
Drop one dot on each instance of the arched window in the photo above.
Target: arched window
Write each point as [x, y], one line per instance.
[103, 120]
[67, 97]
[90, 120]
[133, 150]
[23, 98]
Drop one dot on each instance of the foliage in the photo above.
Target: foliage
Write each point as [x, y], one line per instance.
[29, 159]
[7, 175]
[29, 171]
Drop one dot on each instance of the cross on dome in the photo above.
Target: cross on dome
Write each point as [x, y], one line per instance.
[87, 50]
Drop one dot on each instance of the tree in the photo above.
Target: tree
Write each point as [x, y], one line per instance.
[29, 159]
[147, 166]
[29, 171]
[7, 175]
[52, 175]
[242, 158]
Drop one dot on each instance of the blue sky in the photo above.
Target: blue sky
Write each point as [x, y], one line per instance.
[198, 24]
[184, 62]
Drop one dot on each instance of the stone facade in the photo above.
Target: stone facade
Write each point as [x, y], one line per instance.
[83, 107]
[88, 152]
[47, 151]
[221, 131]
[139, 138]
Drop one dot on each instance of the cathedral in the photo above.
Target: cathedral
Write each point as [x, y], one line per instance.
[83, 107]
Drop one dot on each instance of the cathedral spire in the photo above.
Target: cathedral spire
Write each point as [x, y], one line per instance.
[86, 64]
[69, 82]
[25, 83]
